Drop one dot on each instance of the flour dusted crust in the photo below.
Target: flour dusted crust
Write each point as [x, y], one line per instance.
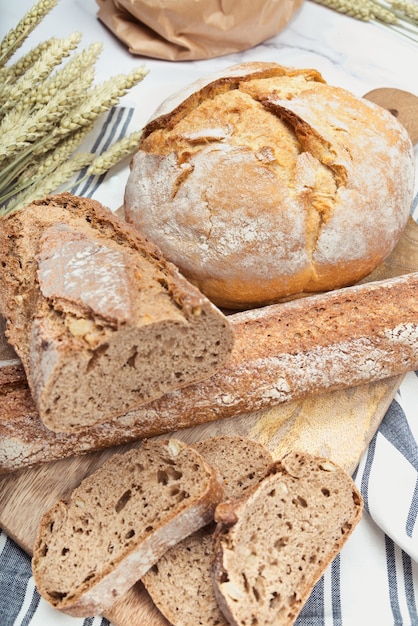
[264, 183]
[281, 353]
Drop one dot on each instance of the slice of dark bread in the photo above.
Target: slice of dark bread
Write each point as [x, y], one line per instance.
[273, 544]
[118, 523]
[101, 322]
[180, 582]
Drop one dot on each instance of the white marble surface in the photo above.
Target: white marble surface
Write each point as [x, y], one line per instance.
[355, 55]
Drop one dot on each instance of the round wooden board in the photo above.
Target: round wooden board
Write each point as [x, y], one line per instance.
[402, 104]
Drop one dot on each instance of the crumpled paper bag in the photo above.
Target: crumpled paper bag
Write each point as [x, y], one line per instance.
[182, 30]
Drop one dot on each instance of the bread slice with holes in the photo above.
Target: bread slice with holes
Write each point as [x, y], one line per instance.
[180, 582]
[273, 545]
[101, 322]
[118, 523]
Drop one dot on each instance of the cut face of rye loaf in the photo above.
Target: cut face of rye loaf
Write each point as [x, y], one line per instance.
[180, 583]
[119, 522]
[273, 545]
[101, 322]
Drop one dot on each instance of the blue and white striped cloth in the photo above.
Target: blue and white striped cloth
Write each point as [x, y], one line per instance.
[373, 581]
[115, 126]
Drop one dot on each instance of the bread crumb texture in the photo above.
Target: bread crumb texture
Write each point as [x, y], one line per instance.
[268, 183]
[119, 521]
[273, 545]
[180, 583]
[101, 322]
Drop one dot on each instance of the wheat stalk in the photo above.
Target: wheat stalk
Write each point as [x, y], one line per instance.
[406, 8]
[27, 173]
[45, 114]
[115, 154]
[8, 74]
[47, 184]
[20, 131]
[77, 73]
[16, 36]
[99, 99]
[353, 8]
[40, 70]
[399, 15]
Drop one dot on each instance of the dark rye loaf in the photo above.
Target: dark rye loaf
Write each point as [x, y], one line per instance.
[273, 544]
[101, 322]
[119, 521]
[180, 583]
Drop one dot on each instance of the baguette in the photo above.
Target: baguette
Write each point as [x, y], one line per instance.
[273, 544]
[282, 352]
[101, 322]
[119, 521]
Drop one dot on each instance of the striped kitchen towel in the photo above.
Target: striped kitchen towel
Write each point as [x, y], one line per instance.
[115, 126]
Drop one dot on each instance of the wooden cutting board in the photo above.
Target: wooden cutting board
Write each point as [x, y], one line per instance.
[338, 425]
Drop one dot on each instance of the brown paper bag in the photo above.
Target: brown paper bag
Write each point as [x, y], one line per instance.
[181, 30]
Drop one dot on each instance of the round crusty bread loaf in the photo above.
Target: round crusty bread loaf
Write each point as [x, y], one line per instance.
[265, 183]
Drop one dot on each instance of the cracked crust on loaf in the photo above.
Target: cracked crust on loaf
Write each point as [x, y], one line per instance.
[265, 183]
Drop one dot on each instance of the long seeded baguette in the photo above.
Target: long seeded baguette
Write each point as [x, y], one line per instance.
[119, 521]
[101, 322]
[282, 352]
[273, 544]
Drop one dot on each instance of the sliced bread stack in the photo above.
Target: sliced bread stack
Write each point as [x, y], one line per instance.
[180, 583]
[276, 533]
[148, 514]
